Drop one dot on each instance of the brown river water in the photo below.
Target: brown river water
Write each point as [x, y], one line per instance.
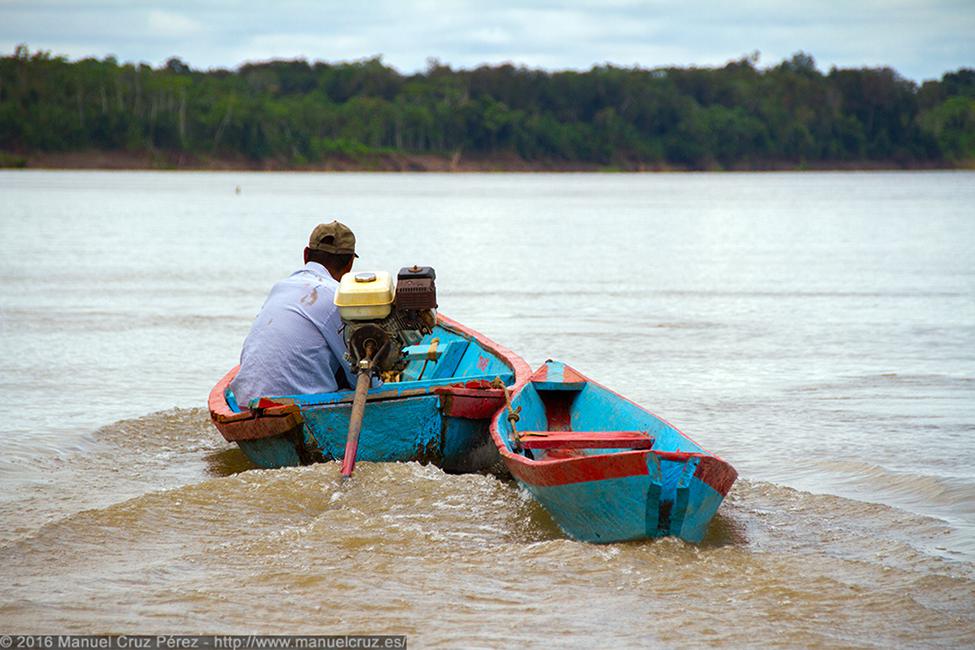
[817, 330]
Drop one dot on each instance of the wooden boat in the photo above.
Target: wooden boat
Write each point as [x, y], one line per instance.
[606, 469]
[439, 412]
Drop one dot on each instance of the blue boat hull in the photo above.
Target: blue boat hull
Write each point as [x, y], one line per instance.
[439, 413]
[606, 469]
[408, 429]
[632, 507]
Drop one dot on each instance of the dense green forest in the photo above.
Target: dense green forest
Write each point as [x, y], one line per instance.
[295, 113]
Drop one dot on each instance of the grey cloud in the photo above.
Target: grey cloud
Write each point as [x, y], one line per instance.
[920, 39]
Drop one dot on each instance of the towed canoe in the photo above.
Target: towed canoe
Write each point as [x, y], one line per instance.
[606, 469]
[439, 412]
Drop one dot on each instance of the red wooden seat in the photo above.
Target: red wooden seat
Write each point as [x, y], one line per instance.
[585, 440]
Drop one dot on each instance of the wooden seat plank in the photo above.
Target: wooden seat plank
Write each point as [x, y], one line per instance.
[586, 440]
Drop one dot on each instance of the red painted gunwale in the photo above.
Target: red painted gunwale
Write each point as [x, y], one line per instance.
[467, 400]
[248, 424]
[711, 469]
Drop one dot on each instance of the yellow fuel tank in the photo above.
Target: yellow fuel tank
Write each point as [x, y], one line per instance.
[365, 295]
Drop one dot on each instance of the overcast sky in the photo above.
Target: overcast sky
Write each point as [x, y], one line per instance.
[921, 40]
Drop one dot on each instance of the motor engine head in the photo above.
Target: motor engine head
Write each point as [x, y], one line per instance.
[381, 320]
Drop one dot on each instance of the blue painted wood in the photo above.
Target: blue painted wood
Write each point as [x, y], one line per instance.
[231, 400]
[397, 430]
[446, 365]
[531, 418]
[477, 360]
[598, 511]
[389, 391]
[271, 452]
[628, 508]
[414, 352]
[467, 446]
[668, 500]
[555, 371]
[702, 504]
[444, 338]
[655, 481]
[404, 421]
[599, 409]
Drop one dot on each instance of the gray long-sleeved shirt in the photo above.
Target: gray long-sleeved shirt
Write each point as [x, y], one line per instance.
[295, 346]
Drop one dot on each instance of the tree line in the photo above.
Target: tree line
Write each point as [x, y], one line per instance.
[300, 113]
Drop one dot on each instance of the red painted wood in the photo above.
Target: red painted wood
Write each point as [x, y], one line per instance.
[266, 403]
[259, 427]
[355, 422]
[461, 403]
[572, 376]
[552, 454]
[679, 456]
[711, 470]
[541, 374]
[558, 409]
[248, 425]
[470, 403]
[716, 473]
[569, 375]
[585, 440]
[581, 469]
[217, 402]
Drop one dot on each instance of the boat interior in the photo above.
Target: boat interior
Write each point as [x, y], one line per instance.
[442, 358]
[565, 415]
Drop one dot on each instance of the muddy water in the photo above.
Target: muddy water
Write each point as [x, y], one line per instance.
[815, 329]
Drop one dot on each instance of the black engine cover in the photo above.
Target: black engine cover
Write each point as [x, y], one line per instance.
[416, 288]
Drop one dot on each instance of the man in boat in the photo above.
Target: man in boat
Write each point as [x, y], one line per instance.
[295, 345]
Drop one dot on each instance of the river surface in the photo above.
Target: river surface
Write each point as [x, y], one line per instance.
[817, 330]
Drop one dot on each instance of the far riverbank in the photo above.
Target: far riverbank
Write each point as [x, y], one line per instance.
[406, 162]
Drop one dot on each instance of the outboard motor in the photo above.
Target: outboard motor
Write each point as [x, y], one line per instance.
[380, 320]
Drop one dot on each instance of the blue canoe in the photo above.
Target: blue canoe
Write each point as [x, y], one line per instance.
[439, 412]
[606, 469]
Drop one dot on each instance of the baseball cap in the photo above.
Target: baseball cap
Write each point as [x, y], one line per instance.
[332, 237]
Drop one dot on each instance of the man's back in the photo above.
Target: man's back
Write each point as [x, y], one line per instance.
[295, 346]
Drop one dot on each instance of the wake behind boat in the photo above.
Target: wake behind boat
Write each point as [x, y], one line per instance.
[606, 469]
